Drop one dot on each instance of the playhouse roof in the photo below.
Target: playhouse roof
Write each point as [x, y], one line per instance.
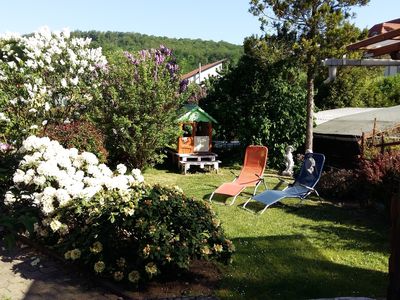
[194, 113]
[353, 122]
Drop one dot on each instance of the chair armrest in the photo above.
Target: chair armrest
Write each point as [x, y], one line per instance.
[260, 177]
[307, 187]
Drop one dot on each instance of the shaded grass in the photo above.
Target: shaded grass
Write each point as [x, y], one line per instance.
[293, 252]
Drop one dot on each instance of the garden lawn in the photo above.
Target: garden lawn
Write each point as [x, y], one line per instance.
[313, 250]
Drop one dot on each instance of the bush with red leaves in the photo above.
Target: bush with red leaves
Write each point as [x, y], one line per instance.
[82, 135]
[380, 175]
[339, 185]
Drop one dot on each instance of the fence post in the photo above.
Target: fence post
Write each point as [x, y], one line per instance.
[362, 145]
[382, 143]
[373, 133]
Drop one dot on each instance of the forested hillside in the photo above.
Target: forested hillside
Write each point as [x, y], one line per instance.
[189, 52]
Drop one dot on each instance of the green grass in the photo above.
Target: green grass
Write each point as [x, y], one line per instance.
[313, 250]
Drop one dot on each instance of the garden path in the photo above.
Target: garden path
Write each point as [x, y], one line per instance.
[26, 274]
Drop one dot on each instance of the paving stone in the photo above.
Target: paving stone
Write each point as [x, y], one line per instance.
[4, 282]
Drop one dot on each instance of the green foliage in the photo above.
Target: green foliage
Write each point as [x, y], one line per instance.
[13, 222]
[157, 231]
[261, 101]
[13, 226]
[390, 89]
[353, 87]
[139, 107]
[359, 87]
[9, 163]
[321, 27]
[189, 53]
[321, 30]
[82, 135]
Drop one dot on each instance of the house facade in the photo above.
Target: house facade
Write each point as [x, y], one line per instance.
[203, 72]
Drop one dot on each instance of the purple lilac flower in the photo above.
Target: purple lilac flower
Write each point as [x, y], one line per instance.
[160, 58]
[164, 50]
[183, 85]
[131, 58]
[172, 68]
[128, 55]
[144, 54]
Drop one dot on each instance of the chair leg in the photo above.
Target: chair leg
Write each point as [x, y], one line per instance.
[245, 208]
[244, 205]
[233, 200]
[212, 195]
[319, 197]
[264, 209]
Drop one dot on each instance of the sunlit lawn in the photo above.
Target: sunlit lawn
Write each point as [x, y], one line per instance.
[313, 250]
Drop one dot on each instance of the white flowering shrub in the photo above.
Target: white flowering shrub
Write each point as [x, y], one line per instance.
[111, 222]
[44, 77]
[50, 176]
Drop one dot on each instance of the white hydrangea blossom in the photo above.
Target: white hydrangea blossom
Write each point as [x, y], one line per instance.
[121, 168]
[55, 178]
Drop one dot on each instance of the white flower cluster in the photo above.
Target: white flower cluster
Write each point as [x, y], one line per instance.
[3, 118]
[52, 64]
[55, 175]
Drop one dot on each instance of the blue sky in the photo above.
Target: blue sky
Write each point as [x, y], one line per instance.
[216, 20]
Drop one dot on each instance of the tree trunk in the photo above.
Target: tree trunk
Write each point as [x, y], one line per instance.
[310, 111]
[393, 292]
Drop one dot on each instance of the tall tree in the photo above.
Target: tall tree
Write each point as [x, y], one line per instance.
[261, 100]
[322, 29]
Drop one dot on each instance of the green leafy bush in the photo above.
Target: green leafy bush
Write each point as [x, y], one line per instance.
[139, 107]
[157, 231]
[82, 135]
[13, 222]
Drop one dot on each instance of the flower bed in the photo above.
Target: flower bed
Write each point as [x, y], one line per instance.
[111, 222]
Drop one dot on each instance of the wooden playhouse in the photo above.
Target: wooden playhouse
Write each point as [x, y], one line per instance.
[195, 143]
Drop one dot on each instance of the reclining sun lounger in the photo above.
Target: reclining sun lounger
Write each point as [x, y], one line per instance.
[303, 186]
[250, 175]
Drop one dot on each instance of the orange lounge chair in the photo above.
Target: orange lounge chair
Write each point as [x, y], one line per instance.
[250, 175]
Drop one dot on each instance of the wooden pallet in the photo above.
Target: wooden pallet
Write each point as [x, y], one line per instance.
[185, 161]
